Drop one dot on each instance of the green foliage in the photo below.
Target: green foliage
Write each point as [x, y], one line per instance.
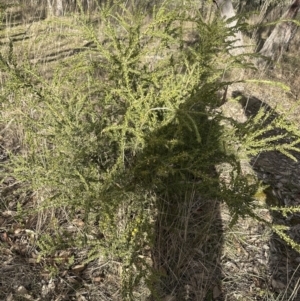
[268, 132]
[126, 124]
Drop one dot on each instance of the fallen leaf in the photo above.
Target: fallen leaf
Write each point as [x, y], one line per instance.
[32, 260]
[278, 285]
[8, 213]
[98, 279]
[78, 268]
[78, 222]
[21, 290]
[216, 292]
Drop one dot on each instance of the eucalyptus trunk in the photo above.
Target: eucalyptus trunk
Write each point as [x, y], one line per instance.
[281, 36]
[59, 8]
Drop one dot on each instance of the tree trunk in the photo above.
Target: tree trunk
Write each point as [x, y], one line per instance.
[227, 11]
[55, 7]
[281, 36]
[59, 8]
[50, 8]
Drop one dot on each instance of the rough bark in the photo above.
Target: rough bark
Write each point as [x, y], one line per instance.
[281, 36]
[227, 11]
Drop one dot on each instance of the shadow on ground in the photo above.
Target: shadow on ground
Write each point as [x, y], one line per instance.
[187, 249]
[282, 174]
[179, 163]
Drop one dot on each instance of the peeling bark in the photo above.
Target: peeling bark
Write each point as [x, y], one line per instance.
[281, 36]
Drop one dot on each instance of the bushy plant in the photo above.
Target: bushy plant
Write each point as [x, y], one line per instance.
[125, 124]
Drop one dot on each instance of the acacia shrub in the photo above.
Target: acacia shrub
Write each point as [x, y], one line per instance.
[122, 125]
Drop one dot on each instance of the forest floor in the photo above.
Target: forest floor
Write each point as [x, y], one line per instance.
[213, 261]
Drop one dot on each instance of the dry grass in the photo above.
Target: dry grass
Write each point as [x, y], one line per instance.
[195, 257]
[187, 249]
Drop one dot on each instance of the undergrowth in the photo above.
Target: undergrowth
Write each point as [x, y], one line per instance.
[127, 124]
